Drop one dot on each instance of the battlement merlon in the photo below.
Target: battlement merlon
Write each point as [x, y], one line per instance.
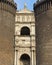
[42, 6]
[8, 6]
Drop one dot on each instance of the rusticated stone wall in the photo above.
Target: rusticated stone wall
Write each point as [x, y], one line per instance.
[7, 19]
[44, 32]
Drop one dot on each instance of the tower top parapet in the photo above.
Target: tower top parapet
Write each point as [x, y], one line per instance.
[10, 6]
[42, 6]
[10, 0]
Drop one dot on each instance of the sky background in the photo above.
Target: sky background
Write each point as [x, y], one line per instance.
[29, 4]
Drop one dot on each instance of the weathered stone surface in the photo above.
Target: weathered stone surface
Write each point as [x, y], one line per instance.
[7, 20]
[25, 44]
[44, 34]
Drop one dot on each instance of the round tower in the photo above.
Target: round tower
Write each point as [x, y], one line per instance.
[7, 19]
[43, 13]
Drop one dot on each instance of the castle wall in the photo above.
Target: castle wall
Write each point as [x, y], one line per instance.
[7, 19]
[44, 34]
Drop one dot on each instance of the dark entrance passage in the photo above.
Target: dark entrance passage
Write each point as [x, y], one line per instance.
[25, 60]
[25, 31]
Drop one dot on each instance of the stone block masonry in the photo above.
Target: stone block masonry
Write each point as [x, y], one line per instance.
[43, 13]
[7, 19]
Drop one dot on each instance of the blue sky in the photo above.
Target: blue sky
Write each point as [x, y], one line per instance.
[29, 3]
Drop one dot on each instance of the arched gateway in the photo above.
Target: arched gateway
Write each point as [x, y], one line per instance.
[25, 44]
[25, 59]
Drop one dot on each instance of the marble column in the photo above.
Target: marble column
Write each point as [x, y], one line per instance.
[16, 51]
[33, 57]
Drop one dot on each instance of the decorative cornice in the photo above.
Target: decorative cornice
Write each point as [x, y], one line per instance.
[42, 6]
[8, 6]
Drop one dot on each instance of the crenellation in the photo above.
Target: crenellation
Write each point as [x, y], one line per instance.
[7, 22]
[7, 6]
[42, 6]
[43, 25]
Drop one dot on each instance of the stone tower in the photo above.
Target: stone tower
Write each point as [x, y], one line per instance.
[43, 13]
[25, 51]
[7, 19]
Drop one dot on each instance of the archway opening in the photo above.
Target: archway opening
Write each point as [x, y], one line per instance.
[25, 59]
[25, 31]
